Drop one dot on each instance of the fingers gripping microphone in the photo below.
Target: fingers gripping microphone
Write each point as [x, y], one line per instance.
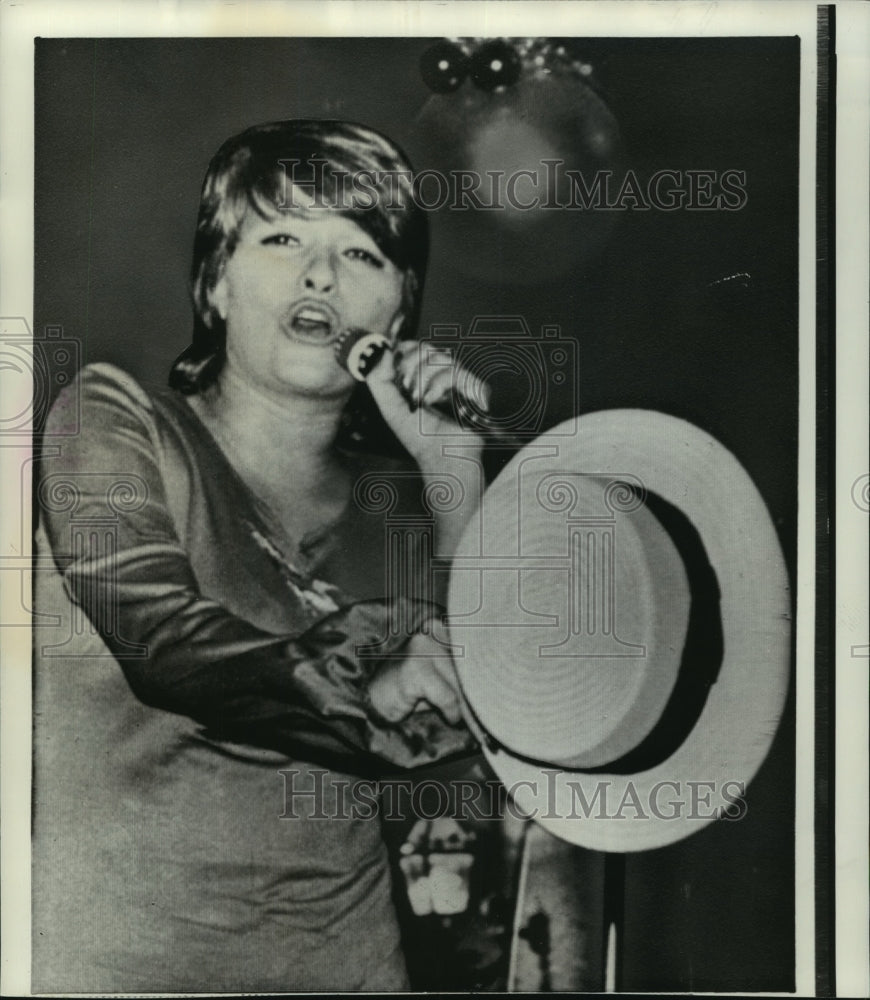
[359, 351]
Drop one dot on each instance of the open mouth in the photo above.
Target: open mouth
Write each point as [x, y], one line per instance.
[312, 323]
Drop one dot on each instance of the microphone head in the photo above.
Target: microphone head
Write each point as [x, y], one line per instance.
[359, 350]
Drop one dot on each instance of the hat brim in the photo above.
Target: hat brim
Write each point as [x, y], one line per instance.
[706, 777]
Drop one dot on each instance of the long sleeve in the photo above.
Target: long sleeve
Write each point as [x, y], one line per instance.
[302, 692]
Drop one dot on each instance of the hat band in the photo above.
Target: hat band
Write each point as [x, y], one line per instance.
[703, 649]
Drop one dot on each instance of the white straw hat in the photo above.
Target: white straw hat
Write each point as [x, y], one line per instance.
[620, 619]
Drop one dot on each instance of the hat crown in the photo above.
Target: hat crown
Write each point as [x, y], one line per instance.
[580, 610]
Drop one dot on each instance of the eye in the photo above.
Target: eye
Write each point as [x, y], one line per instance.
[279, 239]
[366, 256]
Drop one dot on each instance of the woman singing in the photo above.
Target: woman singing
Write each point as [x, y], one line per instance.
[209, 576]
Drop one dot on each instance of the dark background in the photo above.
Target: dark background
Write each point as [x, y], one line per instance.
[124, 131]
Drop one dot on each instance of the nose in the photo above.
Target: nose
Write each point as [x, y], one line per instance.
[319, 272]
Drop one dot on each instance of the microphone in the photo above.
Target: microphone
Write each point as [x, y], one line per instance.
[358, 351]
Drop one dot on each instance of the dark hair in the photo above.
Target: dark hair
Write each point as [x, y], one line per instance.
[255, 170]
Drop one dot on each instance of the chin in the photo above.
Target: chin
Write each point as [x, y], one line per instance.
[314, 383]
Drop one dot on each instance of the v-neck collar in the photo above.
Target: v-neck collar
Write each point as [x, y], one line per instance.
[303, 554]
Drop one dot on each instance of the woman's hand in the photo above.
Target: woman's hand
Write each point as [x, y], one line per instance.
[426, 678]
[425, 380]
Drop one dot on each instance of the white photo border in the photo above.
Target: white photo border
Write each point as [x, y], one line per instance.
[22, 22]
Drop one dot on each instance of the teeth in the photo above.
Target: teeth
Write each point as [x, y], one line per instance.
[312, 315]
